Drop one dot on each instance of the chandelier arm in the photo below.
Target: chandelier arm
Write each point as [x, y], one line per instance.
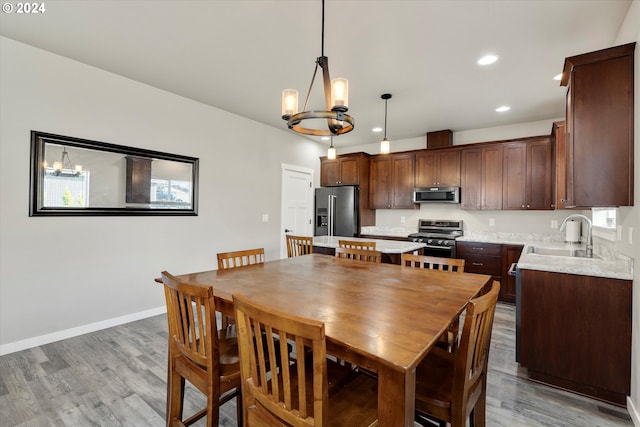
[313, 79]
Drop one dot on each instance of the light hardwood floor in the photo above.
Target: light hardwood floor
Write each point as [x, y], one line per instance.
[117, 377]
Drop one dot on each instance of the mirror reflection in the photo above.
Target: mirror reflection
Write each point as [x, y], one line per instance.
[88, 177]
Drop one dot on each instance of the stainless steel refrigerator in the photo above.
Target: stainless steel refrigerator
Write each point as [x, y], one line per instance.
[337, 211]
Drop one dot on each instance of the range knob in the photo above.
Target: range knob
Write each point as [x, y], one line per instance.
[440, 242]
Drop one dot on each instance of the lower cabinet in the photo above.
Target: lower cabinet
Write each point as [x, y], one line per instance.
[494, 260]
[575, 333]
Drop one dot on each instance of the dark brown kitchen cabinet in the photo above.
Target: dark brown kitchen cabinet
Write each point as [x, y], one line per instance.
[493, 259]
[599, 127]
[392, 181]
[350, 169]
[527, 173]
[510, 254]
[481, 177]
[575, 333]
[437, 168]
[138, 180]
[346, 169]
[560, 177]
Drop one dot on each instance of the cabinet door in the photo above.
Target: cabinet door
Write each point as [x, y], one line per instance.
[492, 177]
[380, 183]
[600, 128]
[471, 178]
[539, 194]
[559, 178]
[510, 254]
[449, 167]
[426, 164]
[514, 186]
[403, 169]
[349, 171]
[329, 173]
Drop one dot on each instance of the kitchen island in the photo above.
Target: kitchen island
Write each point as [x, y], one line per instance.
[391, 249]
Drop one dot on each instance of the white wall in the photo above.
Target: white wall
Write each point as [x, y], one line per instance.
[61, 273]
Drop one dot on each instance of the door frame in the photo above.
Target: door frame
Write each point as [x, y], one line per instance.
[310, 201]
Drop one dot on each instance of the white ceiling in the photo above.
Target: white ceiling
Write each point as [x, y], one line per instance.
[238, 55]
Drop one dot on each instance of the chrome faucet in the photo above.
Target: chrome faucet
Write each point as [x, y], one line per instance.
[589, 248]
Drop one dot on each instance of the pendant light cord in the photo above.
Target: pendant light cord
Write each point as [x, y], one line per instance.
[315, 71]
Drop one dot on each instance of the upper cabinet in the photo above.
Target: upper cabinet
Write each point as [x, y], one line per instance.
[527, 173]
[438, 167]
[599, 128]
[559, 174]
[392, 181]
[481, 177]
[347, 169]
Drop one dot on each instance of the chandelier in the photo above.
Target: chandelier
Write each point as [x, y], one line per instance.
[63, 167]
[336, 95]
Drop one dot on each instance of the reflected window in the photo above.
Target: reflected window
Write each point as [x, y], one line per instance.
[173, 191]
[66, 189]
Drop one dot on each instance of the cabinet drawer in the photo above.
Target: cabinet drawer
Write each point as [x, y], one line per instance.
[482, 264]
[475, 248]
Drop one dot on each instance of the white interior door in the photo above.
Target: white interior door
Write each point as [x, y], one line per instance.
[297, 203]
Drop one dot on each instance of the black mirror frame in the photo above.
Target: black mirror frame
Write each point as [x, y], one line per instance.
[38, 139]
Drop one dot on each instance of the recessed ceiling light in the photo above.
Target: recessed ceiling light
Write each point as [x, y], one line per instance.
[503, 108]
[377, 129]
[325, 138]
[558, 77]
[487, 59]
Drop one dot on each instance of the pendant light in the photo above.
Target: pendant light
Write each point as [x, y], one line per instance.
[384, 144]
[331, 152]
[336, 95]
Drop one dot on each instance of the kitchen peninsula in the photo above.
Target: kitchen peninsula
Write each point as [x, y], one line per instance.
[391, 249]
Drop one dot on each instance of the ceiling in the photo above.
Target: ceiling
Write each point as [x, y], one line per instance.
[238, 55]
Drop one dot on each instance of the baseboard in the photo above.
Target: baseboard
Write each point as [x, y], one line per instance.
[633, 412]
[79, 330]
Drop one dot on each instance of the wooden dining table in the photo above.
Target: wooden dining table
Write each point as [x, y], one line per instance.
[382, 317]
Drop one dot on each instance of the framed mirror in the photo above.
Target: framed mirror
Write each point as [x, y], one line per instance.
[74, 177]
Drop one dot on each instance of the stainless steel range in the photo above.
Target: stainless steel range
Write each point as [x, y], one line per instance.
[439, 235]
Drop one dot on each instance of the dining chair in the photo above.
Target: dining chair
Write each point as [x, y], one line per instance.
[299, 393]
[451, 265]
[235, 259]
[242, 258]
[299, 245]
[359, 254]
[357, 244]
[452, 387]
[198, 354]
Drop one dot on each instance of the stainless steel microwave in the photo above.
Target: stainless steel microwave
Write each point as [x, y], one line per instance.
[436, 195]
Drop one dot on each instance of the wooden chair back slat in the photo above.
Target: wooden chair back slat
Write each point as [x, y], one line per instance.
[359, 254]
[356, 244]
[433, 263]
[299, 245]
[242, 258]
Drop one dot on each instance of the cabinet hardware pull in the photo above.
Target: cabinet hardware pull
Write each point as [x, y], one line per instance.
[478, 249]
[477, 263]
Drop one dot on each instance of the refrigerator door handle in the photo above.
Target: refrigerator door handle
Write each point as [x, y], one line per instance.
[331, 213]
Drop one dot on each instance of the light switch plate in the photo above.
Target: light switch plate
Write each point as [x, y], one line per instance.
[554, 223]
[631, 235]
[492, 222]
[265, 217]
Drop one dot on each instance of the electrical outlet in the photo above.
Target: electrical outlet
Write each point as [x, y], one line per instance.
[619, 233]
[554, 223]
[402, 219]
[492, 222]
[631, 235]
[265, 217]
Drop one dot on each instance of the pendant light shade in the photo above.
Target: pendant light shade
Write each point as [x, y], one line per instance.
[385, 145]
[331, 152]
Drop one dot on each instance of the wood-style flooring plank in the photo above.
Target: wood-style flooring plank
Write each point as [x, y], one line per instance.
[117, 377]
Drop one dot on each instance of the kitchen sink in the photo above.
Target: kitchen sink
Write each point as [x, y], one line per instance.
[568, 252]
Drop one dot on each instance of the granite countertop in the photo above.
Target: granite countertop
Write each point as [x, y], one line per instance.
[384, 246]
[387, 231]
[607, 263]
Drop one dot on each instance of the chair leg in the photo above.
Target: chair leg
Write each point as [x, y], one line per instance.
[479, 414]
[239, 410]
[175, 397]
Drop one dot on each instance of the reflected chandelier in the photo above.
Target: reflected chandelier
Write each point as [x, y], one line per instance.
[336, 94]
